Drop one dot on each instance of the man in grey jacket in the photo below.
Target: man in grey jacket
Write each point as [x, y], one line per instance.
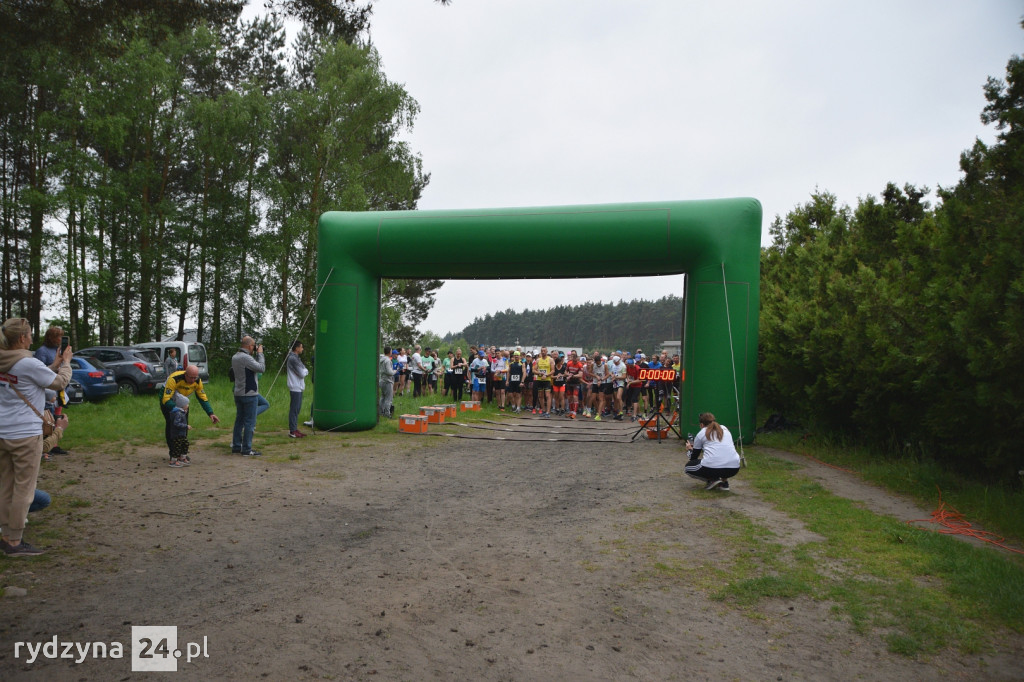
[246, 364]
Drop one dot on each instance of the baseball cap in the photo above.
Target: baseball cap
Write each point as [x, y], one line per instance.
[480, 352]
[394, 352]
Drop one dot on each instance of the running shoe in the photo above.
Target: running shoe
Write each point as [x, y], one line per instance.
[252, 453]
[175, 463]
[597, 418]
[572, 415]
[711, 485]
[724, 485]
[20, 549]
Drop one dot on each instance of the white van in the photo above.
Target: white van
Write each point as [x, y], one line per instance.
[189, 353]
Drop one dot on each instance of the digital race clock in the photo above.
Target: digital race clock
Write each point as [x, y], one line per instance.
[657, 375]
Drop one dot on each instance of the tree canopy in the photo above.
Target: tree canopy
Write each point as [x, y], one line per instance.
[164, 161]
[902, 323]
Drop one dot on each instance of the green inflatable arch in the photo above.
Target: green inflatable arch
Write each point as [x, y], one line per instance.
[715, 242]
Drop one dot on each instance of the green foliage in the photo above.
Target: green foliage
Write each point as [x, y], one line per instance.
[190, 156]
[899, 323]
[636, 324]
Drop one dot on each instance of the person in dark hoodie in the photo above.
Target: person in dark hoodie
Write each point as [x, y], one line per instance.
[23, 382]
[246, 364]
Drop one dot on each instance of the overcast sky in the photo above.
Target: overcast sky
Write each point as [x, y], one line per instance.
[550, 102]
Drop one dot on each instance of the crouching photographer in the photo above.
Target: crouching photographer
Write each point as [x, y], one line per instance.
[713, 457]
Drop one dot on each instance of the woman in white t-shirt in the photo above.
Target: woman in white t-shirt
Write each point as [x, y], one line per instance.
[23, 381]
[713, 457]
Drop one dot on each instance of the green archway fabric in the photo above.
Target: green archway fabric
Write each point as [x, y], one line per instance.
[698, 238]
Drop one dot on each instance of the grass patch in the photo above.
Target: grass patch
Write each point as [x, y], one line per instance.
[918, 590]
[996, 507]
[890, 570]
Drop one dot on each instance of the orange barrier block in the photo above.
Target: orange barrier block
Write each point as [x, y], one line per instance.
[470, 405]
[434, 415]
[412, 423]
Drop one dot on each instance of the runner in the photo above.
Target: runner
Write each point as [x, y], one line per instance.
[515, 382]
[403, 376]
[653, 387]
[529, 385]
[574, 372]
[416, 367]
[429, 379]
[543, 369]
[499, 373]
[559, 378]
[601, 379]
[633, 387]
[479, 368]
[586, 386]
[492, 354]
[618, 383]
[447, 365]
[458, 376]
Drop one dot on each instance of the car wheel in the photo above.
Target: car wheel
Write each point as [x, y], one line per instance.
[127, 387]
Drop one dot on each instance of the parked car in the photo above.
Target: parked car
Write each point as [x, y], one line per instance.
[189, 353]
[97, 381]
[135, 369]
[74, 393]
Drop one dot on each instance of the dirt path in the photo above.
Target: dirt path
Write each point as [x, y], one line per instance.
[422, 559]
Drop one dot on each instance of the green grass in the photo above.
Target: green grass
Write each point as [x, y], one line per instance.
[121, 422]
[999, 509]
[918, 590]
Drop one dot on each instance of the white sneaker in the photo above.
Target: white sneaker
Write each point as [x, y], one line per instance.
[308, 423]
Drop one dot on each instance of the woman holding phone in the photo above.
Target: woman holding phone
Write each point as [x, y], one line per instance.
[23, 381]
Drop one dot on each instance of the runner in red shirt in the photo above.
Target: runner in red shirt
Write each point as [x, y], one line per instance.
[574, 374]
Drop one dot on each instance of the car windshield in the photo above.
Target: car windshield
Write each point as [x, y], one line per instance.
[148, 355]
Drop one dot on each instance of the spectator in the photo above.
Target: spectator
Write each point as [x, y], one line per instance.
[386, 381]
[171, 361]
[179, 387]
[178, 433]
[713, 457]
[23, 379]
[245, 364]
[296, 385]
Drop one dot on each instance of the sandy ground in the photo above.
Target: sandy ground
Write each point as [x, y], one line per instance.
[431, 558]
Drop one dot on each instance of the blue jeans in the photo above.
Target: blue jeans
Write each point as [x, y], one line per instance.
[261, 405]
[245, 422]
[293, 410]
[40, 501]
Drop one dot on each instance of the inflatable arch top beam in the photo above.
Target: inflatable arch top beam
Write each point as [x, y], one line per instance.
[715, 242]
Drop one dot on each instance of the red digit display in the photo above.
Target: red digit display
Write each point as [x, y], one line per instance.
[657, 375]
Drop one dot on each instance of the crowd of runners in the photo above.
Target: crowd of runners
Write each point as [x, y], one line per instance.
[596, 385]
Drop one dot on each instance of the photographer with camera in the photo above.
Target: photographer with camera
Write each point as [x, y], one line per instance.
[246, 364]
[713, 457]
